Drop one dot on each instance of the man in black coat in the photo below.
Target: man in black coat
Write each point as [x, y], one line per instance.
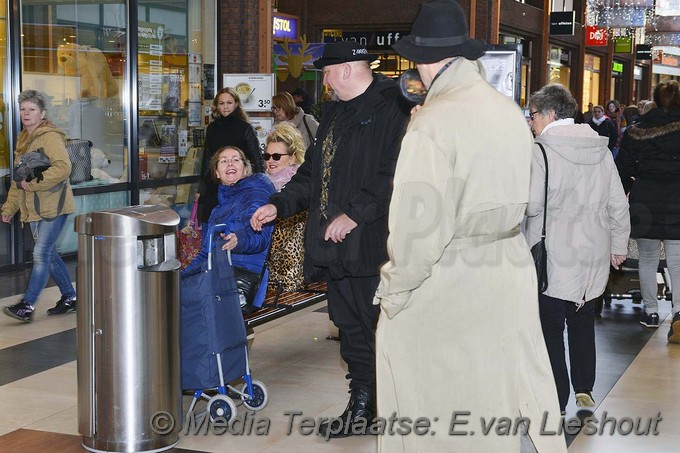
[346, 183]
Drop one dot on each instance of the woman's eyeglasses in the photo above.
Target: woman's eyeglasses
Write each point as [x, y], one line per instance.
[275, 108]
[531, 114]
[233, 160]
[275, 156]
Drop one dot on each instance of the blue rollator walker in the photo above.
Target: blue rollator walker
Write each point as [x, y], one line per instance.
[214, 346]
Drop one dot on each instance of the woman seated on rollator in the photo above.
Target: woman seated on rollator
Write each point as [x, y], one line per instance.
[240, 193]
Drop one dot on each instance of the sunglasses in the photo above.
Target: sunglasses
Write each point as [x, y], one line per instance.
[275, 156]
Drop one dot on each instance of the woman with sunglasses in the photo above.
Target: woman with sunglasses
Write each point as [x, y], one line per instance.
[285, 110]
[284, 153]
[230, 127]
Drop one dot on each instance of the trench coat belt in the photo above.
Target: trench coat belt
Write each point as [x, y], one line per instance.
[476, 241]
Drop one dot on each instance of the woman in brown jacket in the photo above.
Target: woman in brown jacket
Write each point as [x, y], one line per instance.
[44, 202]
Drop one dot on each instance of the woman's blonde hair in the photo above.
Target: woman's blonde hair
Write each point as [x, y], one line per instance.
[290, 136]
[216, 158]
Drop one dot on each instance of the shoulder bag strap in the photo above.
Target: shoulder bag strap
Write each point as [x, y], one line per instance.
[545, 197]
[60, 204]
[309, 131]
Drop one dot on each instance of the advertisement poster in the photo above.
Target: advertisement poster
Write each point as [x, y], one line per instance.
[168, 144]
[150, 37]
[254, 90]
[503, 68]
[262, 127]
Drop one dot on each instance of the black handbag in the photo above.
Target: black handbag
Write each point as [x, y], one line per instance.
[538, 251]
[247, 283]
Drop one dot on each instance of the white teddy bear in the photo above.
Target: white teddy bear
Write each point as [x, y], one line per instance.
[100, 160]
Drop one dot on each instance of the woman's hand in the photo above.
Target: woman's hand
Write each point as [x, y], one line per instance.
[232, 241]
[197, 196]
[24, 185]
[616, 260]
[7, 219]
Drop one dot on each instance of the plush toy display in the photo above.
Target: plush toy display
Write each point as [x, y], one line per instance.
[89, 63]
[100, 160]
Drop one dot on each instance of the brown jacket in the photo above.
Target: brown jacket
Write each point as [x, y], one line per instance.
[53, 141]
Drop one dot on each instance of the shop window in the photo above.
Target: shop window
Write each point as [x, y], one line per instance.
[75, 53]
[175, 46]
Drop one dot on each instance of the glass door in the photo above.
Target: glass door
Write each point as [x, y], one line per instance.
[5, 149]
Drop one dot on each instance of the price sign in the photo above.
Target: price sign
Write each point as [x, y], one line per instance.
[262, 127]
[254, 90]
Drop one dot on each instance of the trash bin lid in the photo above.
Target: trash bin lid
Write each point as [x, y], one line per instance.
[143, 220]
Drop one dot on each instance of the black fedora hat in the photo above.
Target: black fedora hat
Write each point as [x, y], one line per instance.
[440, 31]
[342, 52]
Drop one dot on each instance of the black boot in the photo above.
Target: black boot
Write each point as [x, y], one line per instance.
[355, 420]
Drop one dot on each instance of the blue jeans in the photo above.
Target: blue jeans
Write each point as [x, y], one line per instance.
[46, 260]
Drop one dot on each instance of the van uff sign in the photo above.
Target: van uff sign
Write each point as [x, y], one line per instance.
[596, 36]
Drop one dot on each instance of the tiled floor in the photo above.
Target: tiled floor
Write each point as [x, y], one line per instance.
[638, 375]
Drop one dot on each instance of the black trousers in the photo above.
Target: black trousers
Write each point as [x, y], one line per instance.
[581, 337]
[350, 307]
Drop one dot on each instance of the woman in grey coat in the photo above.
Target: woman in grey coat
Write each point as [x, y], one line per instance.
[587, 229]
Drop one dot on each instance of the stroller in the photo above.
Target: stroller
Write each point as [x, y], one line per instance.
[624, 283]
[214, 347]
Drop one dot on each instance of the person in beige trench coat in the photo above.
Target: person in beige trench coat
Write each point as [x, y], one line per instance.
[459, 338]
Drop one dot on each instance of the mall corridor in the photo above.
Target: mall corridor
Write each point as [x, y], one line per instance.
[636, 379]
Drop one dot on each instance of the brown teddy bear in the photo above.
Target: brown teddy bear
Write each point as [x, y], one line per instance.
[90, 64]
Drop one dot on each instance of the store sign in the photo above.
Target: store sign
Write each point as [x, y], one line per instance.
[617, 67]
[285, 26]
[596, 36]
[657, 55]
[643, 52]
[669, 60]
[373, 40]
[559, 56]
[623, 44]
[562, 22]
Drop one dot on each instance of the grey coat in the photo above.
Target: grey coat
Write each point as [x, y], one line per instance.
[587, 211]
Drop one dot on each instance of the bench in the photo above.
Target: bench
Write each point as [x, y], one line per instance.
[279, 303]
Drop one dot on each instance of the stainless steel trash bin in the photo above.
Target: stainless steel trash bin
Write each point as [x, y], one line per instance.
[129, 396]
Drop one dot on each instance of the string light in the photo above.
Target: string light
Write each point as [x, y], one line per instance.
[618, 13]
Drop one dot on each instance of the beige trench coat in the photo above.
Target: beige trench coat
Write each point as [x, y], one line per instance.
[459, 329]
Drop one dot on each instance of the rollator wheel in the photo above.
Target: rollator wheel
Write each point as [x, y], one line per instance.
[260, 397]
[221, 406]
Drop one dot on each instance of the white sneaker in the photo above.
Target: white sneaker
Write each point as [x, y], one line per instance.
[584, 399]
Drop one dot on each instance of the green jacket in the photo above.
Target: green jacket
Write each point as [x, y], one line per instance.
[53, 141]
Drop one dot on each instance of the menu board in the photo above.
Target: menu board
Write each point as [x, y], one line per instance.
[254, 90]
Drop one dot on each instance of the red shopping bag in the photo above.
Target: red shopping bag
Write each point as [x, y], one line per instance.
[189, 239]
